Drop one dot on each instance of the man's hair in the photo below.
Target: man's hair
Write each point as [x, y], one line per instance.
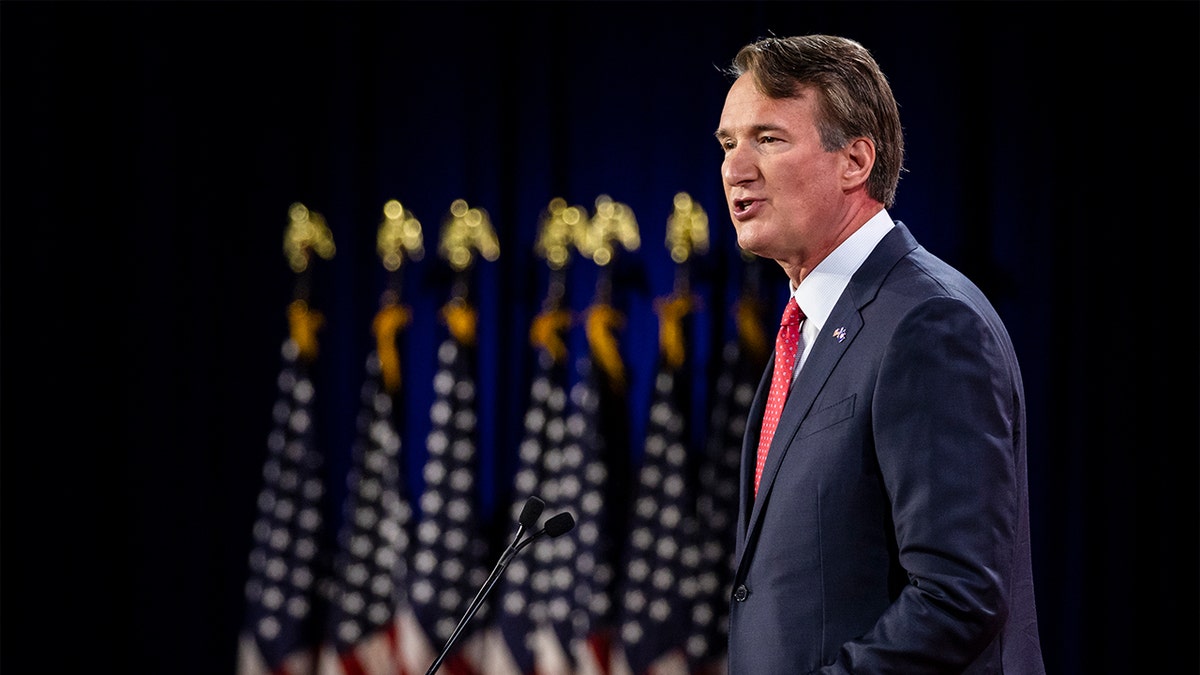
[854, 98]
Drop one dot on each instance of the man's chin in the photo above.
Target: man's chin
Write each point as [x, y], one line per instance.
[745, 240]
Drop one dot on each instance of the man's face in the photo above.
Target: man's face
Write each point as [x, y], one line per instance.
[783, 189]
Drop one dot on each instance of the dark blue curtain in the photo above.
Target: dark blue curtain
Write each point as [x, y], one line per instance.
[151, 151]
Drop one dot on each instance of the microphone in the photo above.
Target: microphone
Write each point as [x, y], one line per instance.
[557, 525]
[530, 514]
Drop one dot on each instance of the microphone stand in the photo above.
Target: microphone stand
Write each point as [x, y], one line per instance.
[554, 527]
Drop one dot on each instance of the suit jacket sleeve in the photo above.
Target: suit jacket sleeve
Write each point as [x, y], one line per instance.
[945, 415]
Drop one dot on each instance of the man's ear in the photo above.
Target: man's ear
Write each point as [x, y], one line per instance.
[860, 159]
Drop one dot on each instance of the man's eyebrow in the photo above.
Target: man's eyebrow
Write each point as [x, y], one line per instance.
[757, 128]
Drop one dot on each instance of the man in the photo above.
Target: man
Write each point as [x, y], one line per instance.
[884, 527]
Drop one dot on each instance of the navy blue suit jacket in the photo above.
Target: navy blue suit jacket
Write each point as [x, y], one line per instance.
[891, 529]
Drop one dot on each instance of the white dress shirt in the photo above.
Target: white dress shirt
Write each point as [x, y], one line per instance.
[820, 290]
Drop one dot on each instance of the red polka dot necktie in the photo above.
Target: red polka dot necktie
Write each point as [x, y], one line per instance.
[786, 344]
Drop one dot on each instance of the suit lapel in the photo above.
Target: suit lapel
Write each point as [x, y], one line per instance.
[825, 354]
[844, 324]
[750, 449]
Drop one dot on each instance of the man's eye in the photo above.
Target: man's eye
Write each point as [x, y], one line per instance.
[767, 139]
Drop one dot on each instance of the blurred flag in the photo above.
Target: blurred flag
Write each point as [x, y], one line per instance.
[448, 567]
[742, 361]
[284, 613]
[593, 475]
[661, 556]
[371, 567]
[521, 608]
[573, 571]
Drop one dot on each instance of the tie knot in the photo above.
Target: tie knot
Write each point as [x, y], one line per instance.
[792, 314]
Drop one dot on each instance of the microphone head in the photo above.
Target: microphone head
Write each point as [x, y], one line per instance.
[559, 524]
[531, 512]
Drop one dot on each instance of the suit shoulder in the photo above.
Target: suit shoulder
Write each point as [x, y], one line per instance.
[924, 269]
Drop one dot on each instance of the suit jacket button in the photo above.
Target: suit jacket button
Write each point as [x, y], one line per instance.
[741, 593]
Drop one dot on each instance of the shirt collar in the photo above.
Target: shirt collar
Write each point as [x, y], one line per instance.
[820, 290]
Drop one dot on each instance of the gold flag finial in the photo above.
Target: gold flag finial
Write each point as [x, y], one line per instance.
[465, 231]
[399, 234]
[560, 227]
[612, 222]
[687, 229]
[306, 232]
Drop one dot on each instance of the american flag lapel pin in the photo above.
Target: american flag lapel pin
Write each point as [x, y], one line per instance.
[840, 333]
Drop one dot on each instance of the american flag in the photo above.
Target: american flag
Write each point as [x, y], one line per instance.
[448, 564]
[557, 610]
[583, 572]
[743, 358]
[283, 620]
[371, 567]
[662, 557]
[522, 609]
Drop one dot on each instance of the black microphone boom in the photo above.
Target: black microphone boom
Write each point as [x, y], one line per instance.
[557, 525]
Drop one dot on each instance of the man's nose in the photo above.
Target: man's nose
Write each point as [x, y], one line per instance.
[738, 166]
